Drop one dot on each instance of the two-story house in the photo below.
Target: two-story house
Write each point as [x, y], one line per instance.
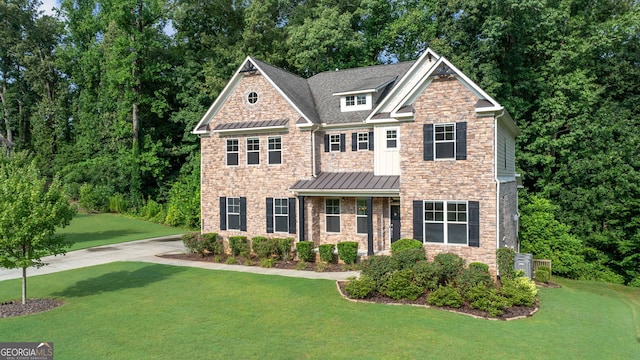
[373, 154]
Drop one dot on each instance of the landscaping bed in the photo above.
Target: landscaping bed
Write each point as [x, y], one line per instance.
[33, 306]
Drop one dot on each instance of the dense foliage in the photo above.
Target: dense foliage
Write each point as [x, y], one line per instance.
[107, 92]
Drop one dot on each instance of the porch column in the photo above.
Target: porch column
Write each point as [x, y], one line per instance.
[301, 223]
[369, 226]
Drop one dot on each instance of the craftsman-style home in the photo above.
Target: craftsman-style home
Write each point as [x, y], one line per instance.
[374, 154]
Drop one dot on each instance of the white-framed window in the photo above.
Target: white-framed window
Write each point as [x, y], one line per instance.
[446, 222]
[332, 215]
[232, 152]
[334, 142]
[253, 151]
[445, 141]
[361, 216]
[361, 99]
[363, 141]
[350, 100]
[233, 213]
[281, 214]
[275, 150]
[392, 138]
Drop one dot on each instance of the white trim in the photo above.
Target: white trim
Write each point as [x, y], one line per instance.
[246, 144]
[269, 151]
[348, 192]
[355, 92]
[227, 152]
[360, 216]
[355, 107]
[286, 202]
[248, 131]
[445, 222]
[339, 215]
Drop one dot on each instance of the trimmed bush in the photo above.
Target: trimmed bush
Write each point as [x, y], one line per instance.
[377, 268]
[445, 296]
[283, 248]
[399, 285]
[520, 291]
[405, 244]
[213, 243]
[505, 260]
[449, 266]
[405, 259]
[360, 288]
[305, 251]
[476, 274]
[487, 299]
[202, 244]
[263, 247]
[543, 274]
[348, 251]
[326, 252]
[239, 246]
[425, 275]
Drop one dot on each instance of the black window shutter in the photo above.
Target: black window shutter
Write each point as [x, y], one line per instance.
[418, 221]
[292, 215]
[461, 141]
[354, 141]
[474, 223]
[427, 139]
[343, 140]
[243, 214]
[269, 215]
[223, 213]
[370, 140]
[326, 142]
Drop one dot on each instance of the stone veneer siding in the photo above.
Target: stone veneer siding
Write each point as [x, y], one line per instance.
[448, 101]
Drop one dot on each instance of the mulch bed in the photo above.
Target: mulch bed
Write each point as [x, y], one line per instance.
[33, 306]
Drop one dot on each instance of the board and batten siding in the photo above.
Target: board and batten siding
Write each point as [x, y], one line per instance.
[506, 153]
[386, 161]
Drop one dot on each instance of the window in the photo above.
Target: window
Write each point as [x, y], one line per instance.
[363, 141]
[350, 100]
[233, 213]
[361, 100]
[275, 150]
[253, 151]
[252, 98]
[332, 211]
[445, 222]
[232, 152]
[392, 139]
[334, 142]
[281, 214]
[361, 216]
[445, 141]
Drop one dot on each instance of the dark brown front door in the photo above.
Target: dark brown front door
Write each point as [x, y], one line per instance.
[395, 222]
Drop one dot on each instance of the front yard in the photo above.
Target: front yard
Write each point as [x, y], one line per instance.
[142, 311]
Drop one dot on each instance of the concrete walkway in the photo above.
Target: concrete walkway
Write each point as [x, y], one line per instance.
[147, 251]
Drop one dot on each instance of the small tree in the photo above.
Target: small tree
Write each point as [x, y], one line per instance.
[30, 212]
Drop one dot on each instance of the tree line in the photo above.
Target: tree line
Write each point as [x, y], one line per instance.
[105, 94]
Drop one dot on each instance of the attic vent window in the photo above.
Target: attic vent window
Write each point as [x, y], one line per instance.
[252, 98]
[356, 102]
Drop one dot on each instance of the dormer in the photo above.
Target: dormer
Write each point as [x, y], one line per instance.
[363, 94]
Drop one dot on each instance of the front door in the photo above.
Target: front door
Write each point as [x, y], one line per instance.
[395, 222]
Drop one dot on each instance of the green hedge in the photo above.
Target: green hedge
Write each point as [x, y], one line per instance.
[326, 252]
[305, 251]
[348, 251]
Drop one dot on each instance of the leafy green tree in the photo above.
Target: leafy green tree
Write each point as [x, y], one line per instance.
[30, 212]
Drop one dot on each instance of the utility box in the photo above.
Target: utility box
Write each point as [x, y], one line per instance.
[524, 262]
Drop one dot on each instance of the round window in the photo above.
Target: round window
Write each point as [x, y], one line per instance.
[252, 97]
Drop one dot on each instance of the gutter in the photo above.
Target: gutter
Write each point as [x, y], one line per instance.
[313, 152]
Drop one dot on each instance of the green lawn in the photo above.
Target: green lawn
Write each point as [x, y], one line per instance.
[150, 311]
[103, 229]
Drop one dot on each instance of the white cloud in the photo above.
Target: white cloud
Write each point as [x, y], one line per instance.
[47, 6]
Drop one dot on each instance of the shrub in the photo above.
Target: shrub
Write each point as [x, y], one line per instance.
[202, 244]
[487, 299]
[445, 296]
[72, 189]
[192, 243]
[231, 260]
[321, 266]
[151, 210]
[239, 246]
[118, 204]
[95, 198]
[283, 248]
[301, 265]
[477, 274]
[405, 244]
[213, 243]
[519, 291]
[425, 275]
[348, 251]
[378, 267]
[449, 266]
[505, 260]
[399, 285]
[183, 204]
[326, 252]
[267, 262]
[407, 258]
[305, 251]
[263, 247]
[360, 288]
[543, 274]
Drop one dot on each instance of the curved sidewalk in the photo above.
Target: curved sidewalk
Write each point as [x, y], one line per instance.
[148, 251]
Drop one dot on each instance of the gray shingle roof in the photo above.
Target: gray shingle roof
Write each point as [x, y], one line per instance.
[349, 181]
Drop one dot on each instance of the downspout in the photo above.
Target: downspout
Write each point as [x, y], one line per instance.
[495, 174]
[313, 152]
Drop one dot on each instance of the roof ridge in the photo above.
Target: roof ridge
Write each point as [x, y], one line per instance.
[361, 68]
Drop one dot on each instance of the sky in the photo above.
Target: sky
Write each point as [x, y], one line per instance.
[47, 5]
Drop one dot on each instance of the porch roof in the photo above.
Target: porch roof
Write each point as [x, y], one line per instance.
[348, 184]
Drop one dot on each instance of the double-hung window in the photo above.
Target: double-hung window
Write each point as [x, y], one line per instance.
[361, 216]
[233, 213]
[332, 212]
[363, 141]
[392, 139]
[361, 99]
[253, 151]
[446, 222]
[445, 141]
[334, 142]
[232, 152]
[275, 150]
[281, 214]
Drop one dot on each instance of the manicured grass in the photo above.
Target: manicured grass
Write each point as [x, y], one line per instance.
[89, 230]
[150, 311]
